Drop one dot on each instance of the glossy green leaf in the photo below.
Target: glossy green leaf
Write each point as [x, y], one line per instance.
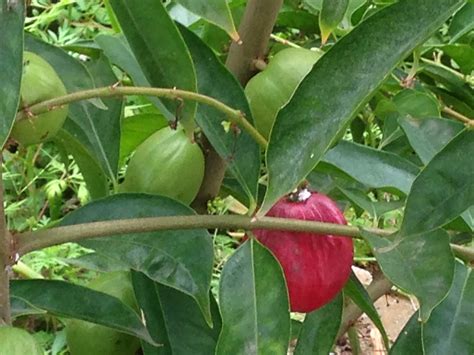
[374, 168]
[462, 22]
[444, 189]
[254, 303]
[174, 320]
[358, 294]
[20, 307]
[416, 103]
[341, 82]
[94, 177]
[94, 123]
[374, 208]
[239, 150]
[462, 54]
[450, 330]
[320, 327]
[409, 340]
[136, 129]
[332, 13]
[428, 136]
[214, 11]
[11, 56]
[119, 53]
[408, 263]
[451, 80]
[159, 49]
[72, 301]
[179, 259]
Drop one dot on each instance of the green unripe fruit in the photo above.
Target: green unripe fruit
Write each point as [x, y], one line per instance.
[167, 163]
[271, 89]
[84, 338]
[39, 82]
[15, 341]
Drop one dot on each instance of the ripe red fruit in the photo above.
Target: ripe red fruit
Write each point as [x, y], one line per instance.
[316, 267]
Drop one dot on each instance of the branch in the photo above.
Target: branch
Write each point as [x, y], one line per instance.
[5, 261]
[254, 30]
[459, 116]
[235, 116]
[30, 241]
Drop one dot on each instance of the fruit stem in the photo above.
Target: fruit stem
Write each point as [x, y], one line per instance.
[235, 116]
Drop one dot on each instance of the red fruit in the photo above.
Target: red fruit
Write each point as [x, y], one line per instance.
[316, 267]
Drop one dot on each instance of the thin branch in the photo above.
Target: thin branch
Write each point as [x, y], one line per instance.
[233, 115]
[458, 116]
[30, 241]
[5, 261]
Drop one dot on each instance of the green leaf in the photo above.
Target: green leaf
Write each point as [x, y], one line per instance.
[462, 22]
[341, 82]
[408, 263]
[374, 208]
[463, 55]
[254, 303]
[120, 54]
[416, 103]
[214, 11]
[95, 124]
[11, 57]
[428, 136]
[450, 330]
[239, 150]
[409, 340]
[451, 80]
[64, 299]
[95, 178]
[136, 129]
[374, 168]
[19, 308]
[159, 49]
[179, 259]
[332, 13]
[320, 327]
[174, 320]
[444, 189]
[358, 294]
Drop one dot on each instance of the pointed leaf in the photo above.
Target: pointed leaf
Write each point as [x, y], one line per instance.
[254, 303]
[409, 340]
[341, 82]
[64, 299]
[174, 319]
[179, 259]
[319, 331]
[91, 170]
[450, 330]
[358, 294]
[160, 50]
[462, 22]
[214, 11]
[332, 13]
[11, 56]
[374, 168]
[408, 263]
[428, 136]
[444, 189]
[241, 151]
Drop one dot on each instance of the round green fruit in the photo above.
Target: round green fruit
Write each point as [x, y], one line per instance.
[167, 163]
[15, 341]
[270, 90]
[84, 338]
[39, 82]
